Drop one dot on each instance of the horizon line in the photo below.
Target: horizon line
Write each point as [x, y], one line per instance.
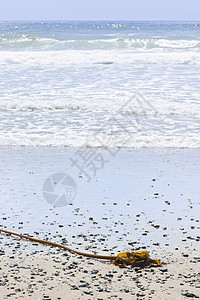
[95, 20]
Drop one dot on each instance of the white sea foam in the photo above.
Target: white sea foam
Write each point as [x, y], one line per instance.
[59, 140]
[94, 124]
[77, 57]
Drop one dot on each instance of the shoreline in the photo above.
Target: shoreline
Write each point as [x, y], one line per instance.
[142, 199]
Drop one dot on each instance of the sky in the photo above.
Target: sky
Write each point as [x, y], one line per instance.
[100, 10]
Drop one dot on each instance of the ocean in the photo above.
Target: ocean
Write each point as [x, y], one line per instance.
[117, 84]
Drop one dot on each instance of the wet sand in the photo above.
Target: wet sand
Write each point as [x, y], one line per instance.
[141, 199]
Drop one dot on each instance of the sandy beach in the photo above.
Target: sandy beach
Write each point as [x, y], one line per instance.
[57, 275]
[141, 199]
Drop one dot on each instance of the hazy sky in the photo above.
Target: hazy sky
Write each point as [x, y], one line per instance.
[100, 10]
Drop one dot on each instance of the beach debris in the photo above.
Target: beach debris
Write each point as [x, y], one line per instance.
[136, 259]
[189, 295]
[130, 258]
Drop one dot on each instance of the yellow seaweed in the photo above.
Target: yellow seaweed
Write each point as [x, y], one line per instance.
[124, 259]
[136, 259]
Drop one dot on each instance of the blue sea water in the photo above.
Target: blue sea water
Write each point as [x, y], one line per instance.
[107, 84]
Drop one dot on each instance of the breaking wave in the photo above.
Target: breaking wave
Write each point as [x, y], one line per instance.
[24, 42]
